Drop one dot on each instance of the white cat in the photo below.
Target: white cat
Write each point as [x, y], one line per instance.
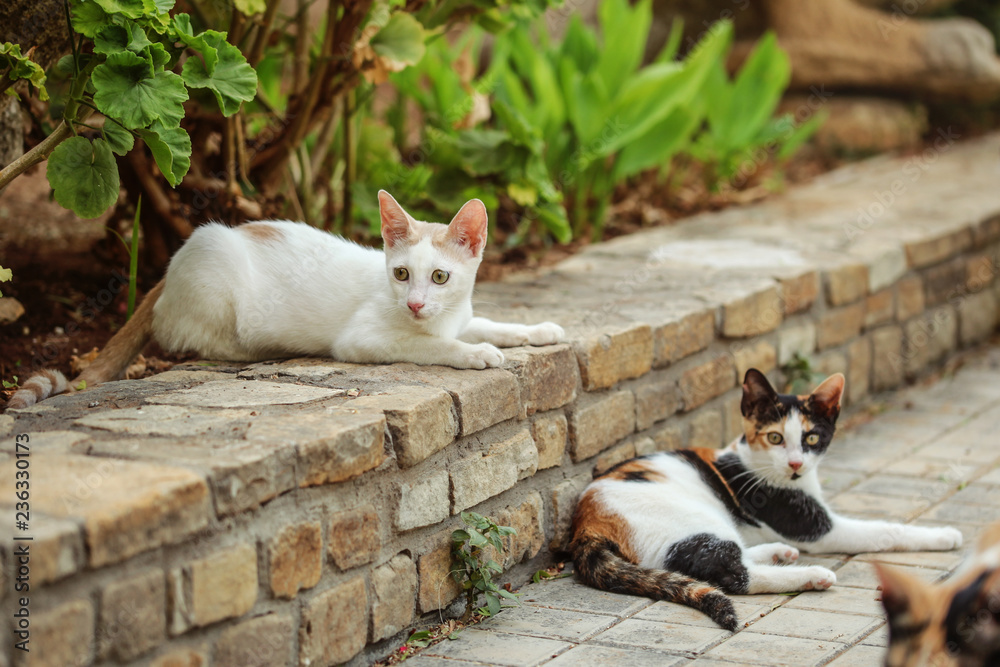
[277, 289]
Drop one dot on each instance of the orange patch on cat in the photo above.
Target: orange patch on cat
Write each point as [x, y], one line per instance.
[593, 520]
[261, 231]
[630, 470]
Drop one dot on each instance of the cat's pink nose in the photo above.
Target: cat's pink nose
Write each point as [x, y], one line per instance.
[415, 307]
[795, 465]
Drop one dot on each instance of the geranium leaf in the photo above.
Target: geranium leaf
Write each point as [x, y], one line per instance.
[199, 42]
[120, 139]
[171, 148]
[115, 38]
[125, 90]
[83, 176]
[233, 82]
[401, 41]
[132, 9]
[19, 66]
[88, 18]
[250, 7]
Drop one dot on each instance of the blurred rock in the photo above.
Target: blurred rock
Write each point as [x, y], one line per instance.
[10, 309]
[865, 125]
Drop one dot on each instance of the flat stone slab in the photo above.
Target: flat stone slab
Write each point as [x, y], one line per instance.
[125, 507]
[244, 394]
[169, 420]
[500, 648]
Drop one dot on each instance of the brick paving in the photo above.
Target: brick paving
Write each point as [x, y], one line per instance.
[931, 458]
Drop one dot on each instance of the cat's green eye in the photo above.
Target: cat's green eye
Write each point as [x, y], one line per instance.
[400, 273]
[440, 277]
[775, 438]
[812, 439]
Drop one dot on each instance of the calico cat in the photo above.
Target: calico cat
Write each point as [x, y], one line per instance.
[273, 289]
[689, 525]
[953, 624]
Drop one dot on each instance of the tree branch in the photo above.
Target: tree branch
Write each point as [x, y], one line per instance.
[35, 155]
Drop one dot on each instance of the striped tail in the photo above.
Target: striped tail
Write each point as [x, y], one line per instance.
[110, 364]
[599, 563]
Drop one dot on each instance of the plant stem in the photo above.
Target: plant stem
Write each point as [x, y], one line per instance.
[133, 264]
[257, 52]
[350, 157]
[35, 155]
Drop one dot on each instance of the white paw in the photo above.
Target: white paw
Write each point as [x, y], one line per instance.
[940, 539]
[784, 554]
[546, 333]
[482, 356]
[819, 579]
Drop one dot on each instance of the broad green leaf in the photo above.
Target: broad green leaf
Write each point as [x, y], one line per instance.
[171, 148]
[120, 139]
[673, 43]
[162, 6]
[477, 540]
[621, 52]
[757, 90]
[126, 91]
[83, 176]
[493, 604]
[6, 275]
[116, 38]
[232, 82]
[20, 67]
[88, 18]
[200, 42]
[250, 7]
[553, 216]
[579, 45]
[132, 9]
[401, 40]
[658, 146]
[658, 89]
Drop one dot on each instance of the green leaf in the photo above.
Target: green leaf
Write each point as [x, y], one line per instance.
[233, 80]
[493, 565]
[493, 604]
[132, 9]
[401, 40]
[88, 18]
[199, 42]
[83, 176]
[171, 148]
[250, 7]
[127, 91]
[120, 139]
[163, 6]
[506, 530]
[459, 536]
[477, 540]
[507, 594]
[5, 275]
[21, 67]
[116, 38]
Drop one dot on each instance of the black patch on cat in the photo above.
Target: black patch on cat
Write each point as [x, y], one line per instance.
[716, 481]
[791, 513]
[710, 559]
[637, 476]
[963, 614]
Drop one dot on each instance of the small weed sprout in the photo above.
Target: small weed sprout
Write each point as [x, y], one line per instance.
[11, 385]
[473, 569]
[799, 374]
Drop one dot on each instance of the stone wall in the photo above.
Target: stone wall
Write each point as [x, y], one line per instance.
[299, 513]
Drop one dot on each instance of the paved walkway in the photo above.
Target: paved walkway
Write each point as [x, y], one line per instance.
[931, 458]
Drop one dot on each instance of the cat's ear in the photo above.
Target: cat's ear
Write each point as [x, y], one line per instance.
[825, 399]
[899, 590]
[468, 228]
[759, 397]
[395, 221]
